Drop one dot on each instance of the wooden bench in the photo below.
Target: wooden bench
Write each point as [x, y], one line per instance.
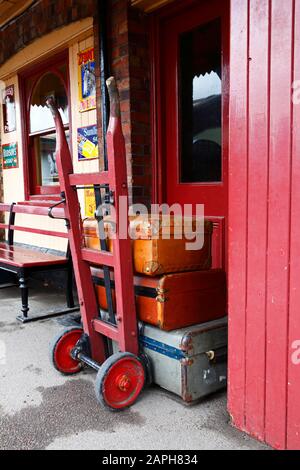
[22, 261]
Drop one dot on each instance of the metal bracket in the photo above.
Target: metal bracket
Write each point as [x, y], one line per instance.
[109, 197]
[82, 347]
[82, 353]
[50, 212]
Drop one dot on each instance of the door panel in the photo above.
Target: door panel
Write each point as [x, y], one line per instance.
[194, 89]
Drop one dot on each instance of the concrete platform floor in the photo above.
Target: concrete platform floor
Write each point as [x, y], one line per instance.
[40, 409]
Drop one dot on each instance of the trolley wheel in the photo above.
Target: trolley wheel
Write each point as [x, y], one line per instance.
[148, 369]
[60, 351]
[120, 381]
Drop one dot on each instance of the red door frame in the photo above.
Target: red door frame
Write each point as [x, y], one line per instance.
[47, 65]
[157, 110]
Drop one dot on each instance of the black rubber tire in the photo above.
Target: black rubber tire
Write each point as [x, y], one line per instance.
[104, 371]
[53, 346]
[146, 361]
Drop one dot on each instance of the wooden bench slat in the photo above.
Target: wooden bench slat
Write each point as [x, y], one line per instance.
[25, 257]
[49, 233]
[22, 260]
[32, 210]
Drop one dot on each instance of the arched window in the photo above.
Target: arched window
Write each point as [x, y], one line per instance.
[40, 116]
[40, 131]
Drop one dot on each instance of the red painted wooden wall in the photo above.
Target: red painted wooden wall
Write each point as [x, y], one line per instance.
[264, 220]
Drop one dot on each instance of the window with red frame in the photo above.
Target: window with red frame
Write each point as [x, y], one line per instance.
[40, 139]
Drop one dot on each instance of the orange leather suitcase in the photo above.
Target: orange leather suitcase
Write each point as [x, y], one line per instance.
[156, 256]
[174, 301]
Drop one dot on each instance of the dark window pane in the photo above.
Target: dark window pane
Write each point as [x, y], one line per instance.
[45, 159]
[201, 104]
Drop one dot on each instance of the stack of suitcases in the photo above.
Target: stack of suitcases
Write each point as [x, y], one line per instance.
[181, 303]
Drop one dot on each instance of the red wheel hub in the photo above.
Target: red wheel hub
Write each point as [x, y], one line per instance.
[62, 354]
[123, 382]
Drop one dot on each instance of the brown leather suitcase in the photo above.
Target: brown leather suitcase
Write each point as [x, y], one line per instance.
[156, 256]
[174, 301]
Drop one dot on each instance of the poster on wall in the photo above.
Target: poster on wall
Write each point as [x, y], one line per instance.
[87, 138]
[9, 109]
[87, 80]
[89, 202]
[10, 156]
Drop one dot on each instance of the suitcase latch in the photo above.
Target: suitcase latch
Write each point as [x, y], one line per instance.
[161, 295]
[217, 357]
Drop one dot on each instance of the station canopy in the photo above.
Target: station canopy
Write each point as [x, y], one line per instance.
[11, 8]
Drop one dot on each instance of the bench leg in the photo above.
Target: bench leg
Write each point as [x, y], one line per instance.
[69, 290]
[24, 295]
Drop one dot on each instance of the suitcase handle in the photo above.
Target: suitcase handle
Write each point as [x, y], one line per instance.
[218, 356]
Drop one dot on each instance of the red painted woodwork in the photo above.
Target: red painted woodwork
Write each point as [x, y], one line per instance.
[33, 75]
[218, 243]
[89, 178]
[264, 227]
[35, 230]
[257, 193]
[279, 209]
[293, 408]
[29, 209]
[85, 288]
[213, 195]
[125, 332]
[127, 325]
[165, 30]
[97, 257]
[106, 330]
[25, 258]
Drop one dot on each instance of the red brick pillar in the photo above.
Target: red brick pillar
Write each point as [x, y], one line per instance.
[139, 67]
[130, 65]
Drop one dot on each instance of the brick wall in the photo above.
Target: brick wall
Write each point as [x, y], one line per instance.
[41, 18]
[139, 65]
[129, 63]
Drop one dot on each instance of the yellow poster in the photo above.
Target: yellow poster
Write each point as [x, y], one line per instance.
[89, 202]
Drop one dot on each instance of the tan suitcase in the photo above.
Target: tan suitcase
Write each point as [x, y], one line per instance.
[156, 256]
[174, 301]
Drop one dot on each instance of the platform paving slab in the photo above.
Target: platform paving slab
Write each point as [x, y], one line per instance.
[40, 409]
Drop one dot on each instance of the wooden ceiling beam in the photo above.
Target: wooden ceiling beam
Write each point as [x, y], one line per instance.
[149, 5]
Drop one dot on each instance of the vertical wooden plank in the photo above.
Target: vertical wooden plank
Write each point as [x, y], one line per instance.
[279, 223]
[238, 137]
[293, 425]
[257, 215]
